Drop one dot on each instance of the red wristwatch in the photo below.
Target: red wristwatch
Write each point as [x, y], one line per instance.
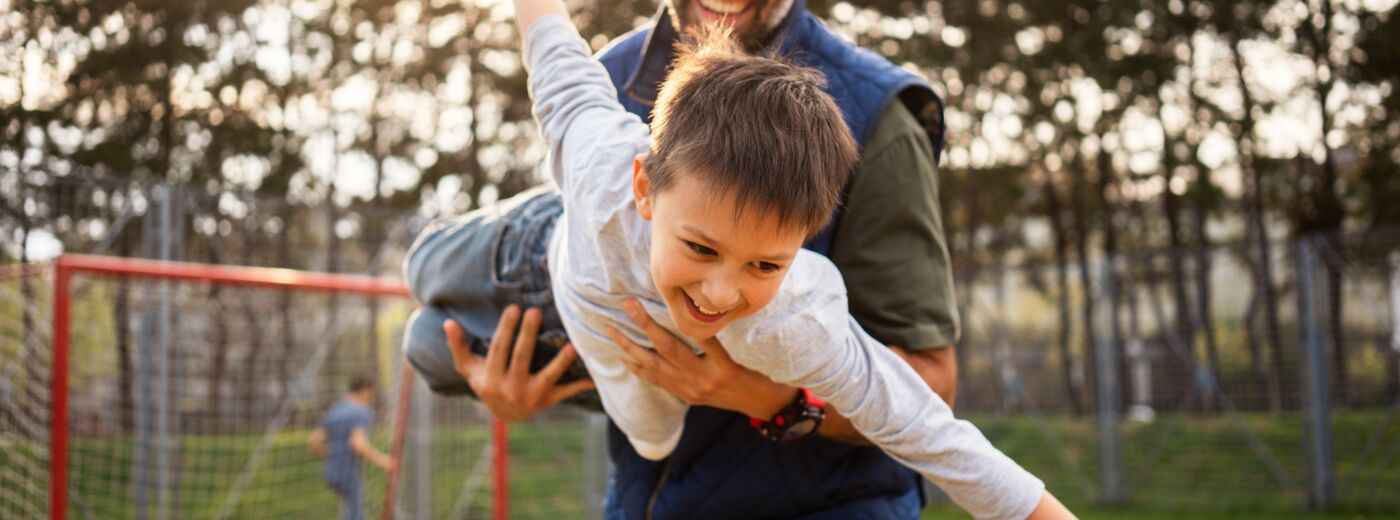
[797, 420]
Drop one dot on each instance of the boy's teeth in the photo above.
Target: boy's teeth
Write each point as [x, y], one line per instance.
[702, 308]
[722, 7]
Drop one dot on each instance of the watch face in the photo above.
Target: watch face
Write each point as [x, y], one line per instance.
[800, 428]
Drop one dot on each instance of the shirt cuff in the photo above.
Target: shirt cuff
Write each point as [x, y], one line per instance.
[659, 450]
[926, 336]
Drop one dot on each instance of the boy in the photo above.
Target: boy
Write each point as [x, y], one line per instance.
[346, 428]
[745, 160]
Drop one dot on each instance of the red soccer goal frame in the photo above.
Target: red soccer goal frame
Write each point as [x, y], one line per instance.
[65, 266]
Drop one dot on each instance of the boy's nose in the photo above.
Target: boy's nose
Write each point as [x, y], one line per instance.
[721, 292]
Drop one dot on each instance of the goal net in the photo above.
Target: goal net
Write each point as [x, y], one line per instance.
[142, 389]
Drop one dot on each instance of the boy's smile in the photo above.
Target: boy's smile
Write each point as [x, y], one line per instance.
[710, 263]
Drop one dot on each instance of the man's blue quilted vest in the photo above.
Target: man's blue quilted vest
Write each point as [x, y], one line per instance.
[722, 468]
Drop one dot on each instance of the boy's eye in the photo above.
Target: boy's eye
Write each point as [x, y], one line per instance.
[699, 249]
[768, 267]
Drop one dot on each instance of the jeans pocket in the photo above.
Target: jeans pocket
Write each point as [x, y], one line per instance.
[519, 268]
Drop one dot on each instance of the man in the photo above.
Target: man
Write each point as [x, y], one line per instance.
[342, 439]
[889, 246]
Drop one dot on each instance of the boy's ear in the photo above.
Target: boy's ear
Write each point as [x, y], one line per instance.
[641, 186]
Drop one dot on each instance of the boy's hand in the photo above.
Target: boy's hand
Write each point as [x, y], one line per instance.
[513, 394]
[712, 380]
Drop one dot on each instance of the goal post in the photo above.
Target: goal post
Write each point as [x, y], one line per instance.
[271, 418]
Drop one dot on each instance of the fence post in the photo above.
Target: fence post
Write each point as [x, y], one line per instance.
[164, 331]
[58, 413]
[596, 465]
[1312, 362]
[422, 450]
[141, 459]
[1109, 393]
[500, 464]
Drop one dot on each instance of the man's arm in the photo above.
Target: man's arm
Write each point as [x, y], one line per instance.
[359, 443]
[891, 250]
[316, 442]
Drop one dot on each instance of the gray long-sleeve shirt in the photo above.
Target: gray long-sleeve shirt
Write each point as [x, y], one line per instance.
[804, 337]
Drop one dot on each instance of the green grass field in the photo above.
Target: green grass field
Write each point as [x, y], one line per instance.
[1177, 467]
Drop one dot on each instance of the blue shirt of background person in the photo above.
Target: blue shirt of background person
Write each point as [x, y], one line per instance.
[342, 439]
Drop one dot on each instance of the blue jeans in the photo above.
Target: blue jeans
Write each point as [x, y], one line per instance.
[352, 498]
[471, 267]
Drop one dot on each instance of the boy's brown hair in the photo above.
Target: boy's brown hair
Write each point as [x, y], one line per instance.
[754, 127]
[360, 383]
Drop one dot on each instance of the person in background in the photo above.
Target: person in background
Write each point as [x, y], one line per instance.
[342, 439]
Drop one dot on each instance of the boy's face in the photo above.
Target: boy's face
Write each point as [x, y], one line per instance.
[710, 267]
[367, 395]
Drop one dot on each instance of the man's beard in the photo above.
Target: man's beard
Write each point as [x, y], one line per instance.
[753, 39]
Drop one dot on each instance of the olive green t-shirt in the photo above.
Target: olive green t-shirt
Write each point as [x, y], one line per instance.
[889, 243]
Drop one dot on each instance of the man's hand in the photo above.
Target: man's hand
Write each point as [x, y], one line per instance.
[716, 380]
[513, 394]
[711, 380]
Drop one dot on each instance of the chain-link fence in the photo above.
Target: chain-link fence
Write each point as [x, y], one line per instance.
[1185, 381]
[196, 399]
[1181, 380]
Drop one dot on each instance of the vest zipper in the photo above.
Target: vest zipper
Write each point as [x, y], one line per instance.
[656, 491]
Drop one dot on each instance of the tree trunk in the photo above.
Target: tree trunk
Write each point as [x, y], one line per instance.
[1203, 293]
[28, 338]
[1086, 280]
[1262, 260]
[343, 364]
[372, 233]
[218, 369]
[121, 315]
[966, 278]
[1135, 347]
[1328, 208]
[288, 340]
[1062, 338]
[218, 366]
[1340, 371]
[1185, 331]
[472, 159]
[1271, 320]
[254, 359]
[1250, 322]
